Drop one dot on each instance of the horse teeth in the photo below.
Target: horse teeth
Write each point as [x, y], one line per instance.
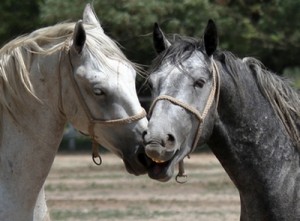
[158, 161]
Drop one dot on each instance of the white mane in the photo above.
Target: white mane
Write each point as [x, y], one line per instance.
[16, 56]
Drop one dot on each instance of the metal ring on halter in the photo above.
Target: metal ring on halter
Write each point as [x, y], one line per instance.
[178, 176]
[181, 173]
[95, 153]
[95, 157]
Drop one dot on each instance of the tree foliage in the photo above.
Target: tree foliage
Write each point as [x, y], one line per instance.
[18, 17]
[266, 29]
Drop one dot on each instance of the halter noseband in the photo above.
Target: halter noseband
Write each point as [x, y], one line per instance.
[200, 116]
[92, 120]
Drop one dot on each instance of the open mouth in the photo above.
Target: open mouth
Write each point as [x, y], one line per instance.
[161, 171]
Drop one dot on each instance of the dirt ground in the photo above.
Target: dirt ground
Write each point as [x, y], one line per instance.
[76, 189]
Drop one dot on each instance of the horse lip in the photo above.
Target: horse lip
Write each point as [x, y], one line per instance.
[153, 143]
[167, 168]
[163, 167]
[164, 154]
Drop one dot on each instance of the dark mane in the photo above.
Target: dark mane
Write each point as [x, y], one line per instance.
[181, 49]
[284, 99]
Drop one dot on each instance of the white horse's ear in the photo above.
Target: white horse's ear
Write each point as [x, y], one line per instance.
[89, 16]
[160, 42]
[79, 37]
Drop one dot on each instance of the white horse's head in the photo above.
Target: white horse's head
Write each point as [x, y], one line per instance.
[99, 96]
[69, 72]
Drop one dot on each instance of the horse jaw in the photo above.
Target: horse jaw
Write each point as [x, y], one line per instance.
[163, 170]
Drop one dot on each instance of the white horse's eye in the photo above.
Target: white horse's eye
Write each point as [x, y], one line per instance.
[98, 91]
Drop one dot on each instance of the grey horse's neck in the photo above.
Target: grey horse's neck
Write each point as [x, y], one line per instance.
[256, 152]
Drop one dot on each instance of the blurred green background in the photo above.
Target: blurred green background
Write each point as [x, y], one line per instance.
[268, 30]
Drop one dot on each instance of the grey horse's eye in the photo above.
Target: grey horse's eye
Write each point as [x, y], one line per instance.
[97, 91]
[199, 83]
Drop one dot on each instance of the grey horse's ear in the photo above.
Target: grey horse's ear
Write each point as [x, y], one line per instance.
[79, 37]
[210, 39]
[159, 40]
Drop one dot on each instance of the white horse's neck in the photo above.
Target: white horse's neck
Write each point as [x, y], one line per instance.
[28, 145]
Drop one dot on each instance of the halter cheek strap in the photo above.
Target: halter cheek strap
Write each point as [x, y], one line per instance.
[214, 93]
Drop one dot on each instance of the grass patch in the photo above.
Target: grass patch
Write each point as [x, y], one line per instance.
[131, 213]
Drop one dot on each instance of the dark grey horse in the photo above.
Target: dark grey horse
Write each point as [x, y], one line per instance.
[249, 117]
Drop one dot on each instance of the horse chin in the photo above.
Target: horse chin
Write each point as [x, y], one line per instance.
[134, 166]
[161, 171]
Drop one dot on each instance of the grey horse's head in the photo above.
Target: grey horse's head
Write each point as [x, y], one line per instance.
[183, 89]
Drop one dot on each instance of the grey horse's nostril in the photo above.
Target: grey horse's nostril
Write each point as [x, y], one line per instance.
[171, 138]
[169, 143]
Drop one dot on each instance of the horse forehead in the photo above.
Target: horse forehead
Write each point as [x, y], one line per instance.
[197, 60]
[180, 68]
[122, 65]
[114, 68]
[123, 72]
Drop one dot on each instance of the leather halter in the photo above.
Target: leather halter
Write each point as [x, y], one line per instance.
[92, 120]
[214, 93]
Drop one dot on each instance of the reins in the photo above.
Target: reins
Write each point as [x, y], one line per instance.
[92, 120]
[214, 94]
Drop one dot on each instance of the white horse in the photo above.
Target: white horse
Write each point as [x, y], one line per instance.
[70, 72]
